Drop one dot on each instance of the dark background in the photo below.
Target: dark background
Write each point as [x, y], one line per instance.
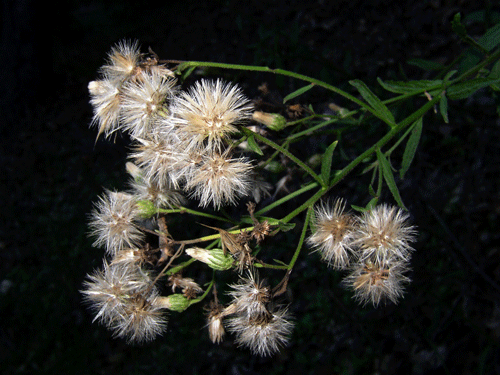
[52, 170]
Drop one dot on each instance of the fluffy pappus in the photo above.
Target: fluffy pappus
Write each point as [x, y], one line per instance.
[210, 110]
[263, 334]
[144, 102]
[333, 233]
[122, 61]
[384, 233]
[220, 180]
[113, 222]
[374, 282]
[105, 98]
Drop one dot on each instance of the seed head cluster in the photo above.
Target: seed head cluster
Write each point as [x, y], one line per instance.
[374, 247]
[181, 138]
[183, 147]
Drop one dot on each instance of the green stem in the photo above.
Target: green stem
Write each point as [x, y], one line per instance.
[179, 267]
[194, 212]
[282, 72]
[478, 67]
[308, 187]
[301, 240]
[213, 236]
[200, 298]
[348, 169]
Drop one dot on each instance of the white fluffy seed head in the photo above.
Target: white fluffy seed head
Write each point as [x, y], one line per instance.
[122, 61]
[250, 296]
[264, 334]
[122, 298]
[220, 180]
[145, 102]
[384, 233]
[333, 233]
[375, 282]
[113, 222]
[210, 111]
[105, 99]
[160, 157]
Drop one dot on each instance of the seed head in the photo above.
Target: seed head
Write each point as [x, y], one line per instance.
[122, 61]
[210, 110]
[333, 233]
[124, 301]
[384, 233]
[220, 180]
[144, 102]
[263, 334]
[251, 296]
[112, 222]
[159, 158]
[105, 98]
[373, 282]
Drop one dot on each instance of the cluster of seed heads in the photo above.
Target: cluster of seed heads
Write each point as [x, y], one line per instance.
[182, 148]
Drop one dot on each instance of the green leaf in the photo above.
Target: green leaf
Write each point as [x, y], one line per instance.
[450, 74]
[495, 71]
[358, 208]
[285, 227]
[491, 38]
[254, 146]
[380, 108]
[298, 92]
[389, 178]
[443, 108]
[371, 191]
[426, 64]
[410, 87]
[326, 162]
[280, 262]
[372, 203]
[463, 90]
[411, 147]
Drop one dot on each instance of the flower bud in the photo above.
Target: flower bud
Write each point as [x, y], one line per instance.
[215, 258]
[173, 302]
[273, 121]
[146, 209]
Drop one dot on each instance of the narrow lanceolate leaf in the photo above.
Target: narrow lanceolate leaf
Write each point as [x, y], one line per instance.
[372, 203]
[389, 178]
[465, 89]
[326, 162]
[426, 64]
[491, 38]
[411, 87]
[298, 92]
[443, 108]
[411, 147]
[253, 145]
[380, 108]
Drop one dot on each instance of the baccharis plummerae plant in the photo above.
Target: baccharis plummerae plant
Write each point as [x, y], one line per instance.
[199, 151]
